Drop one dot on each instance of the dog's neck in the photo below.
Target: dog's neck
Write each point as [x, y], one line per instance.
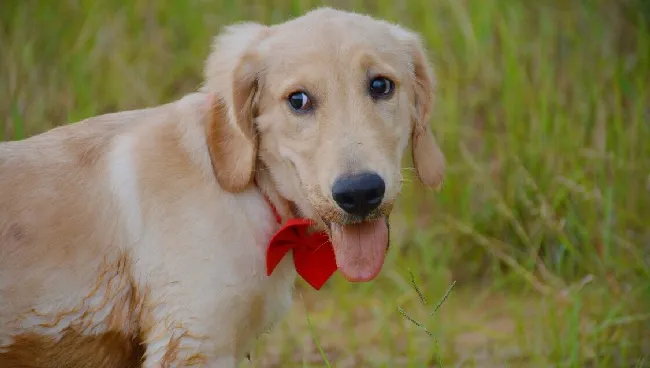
[264, 182]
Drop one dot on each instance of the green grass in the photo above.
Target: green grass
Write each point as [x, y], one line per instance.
[543, 111]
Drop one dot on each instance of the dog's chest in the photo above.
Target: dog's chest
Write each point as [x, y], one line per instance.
[219, 272]
[263, 305]
[261, 300]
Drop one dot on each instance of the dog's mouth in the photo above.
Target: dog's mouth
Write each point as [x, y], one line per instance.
[360, 248]
[360, 244]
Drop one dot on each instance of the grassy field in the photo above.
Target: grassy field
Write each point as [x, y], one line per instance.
[543, 112]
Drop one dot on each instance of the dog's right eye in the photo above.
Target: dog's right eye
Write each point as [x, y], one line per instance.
[381, 87]
[300, 101]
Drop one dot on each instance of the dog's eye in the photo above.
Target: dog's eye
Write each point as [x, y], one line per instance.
[381, 87]
[299, 101]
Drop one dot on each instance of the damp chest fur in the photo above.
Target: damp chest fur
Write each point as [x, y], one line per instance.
[118, 304]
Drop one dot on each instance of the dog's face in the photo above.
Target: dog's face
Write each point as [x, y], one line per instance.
[328, 103]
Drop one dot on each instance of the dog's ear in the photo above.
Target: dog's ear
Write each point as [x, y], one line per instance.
[232, 76]
[428, 159]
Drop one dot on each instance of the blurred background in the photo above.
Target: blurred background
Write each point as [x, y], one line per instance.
[542, 227]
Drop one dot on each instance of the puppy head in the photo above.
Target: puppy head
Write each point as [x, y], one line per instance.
[328, 102]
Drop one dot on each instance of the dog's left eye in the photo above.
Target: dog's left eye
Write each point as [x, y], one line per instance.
[299, 101]
[381, 87]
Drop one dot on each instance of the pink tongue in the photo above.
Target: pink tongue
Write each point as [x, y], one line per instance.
[360, 249]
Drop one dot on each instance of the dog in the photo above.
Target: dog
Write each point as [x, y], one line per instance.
[138, 238]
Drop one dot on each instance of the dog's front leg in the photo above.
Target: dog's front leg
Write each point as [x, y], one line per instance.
[224, 362]
[187, 334]
[172, 350]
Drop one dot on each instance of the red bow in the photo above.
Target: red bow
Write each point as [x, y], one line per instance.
[313, 254]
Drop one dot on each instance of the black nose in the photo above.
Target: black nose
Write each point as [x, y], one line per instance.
[359, 194]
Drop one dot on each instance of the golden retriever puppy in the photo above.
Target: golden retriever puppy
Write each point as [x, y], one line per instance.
[139, 238]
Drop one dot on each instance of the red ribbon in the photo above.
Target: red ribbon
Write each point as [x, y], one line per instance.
[313, 254]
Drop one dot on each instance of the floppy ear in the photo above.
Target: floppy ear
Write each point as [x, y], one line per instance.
[232, 75]
[428, 159]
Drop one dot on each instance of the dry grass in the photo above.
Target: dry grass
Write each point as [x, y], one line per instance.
[543, 112]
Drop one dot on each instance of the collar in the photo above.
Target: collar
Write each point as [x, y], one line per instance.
[313, 254]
